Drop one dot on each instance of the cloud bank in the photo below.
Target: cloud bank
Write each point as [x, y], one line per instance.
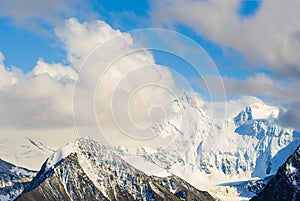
[269, 38]
[39, 15]
[42, 99]
[289, 116]
[39, 99]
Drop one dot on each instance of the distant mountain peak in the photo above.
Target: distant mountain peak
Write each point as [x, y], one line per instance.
[257, 111]
[260, 110]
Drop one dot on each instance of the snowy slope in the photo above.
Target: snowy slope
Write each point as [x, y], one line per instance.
[86, 170]
[23, 151]
[30, 147]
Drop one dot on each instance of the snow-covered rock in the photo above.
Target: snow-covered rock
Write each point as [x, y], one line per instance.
[86, 170]
[13, 180]
[286, 183]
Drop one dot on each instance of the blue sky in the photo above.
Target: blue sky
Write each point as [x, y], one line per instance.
[22, 47]
[254, 44]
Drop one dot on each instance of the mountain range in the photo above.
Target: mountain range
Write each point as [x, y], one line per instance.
[232, 158]
[250, 144]
[86, 170]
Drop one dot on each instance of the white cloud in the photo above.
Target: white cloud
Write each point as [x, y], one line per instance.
[263, 86]
[55, 70]
[127, 90]
[42, 99]
[6, 78]
[270, 37]
[79, 39]
[35, 101]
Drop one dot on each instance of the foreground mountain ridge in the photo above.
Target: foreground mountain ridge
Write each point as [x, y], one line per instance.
[13, 180]
[285, 186]
[85, 170]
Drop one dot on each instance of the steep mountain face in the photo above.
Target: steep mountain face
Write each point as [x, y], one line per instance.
[13, 180]
[85, 170]
[247, 145]
[285, 186]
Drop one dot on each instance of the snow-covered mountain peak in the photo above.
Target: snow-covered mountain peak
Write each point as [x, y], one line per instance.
[89, 151]
[247, 145]
[80, 147]
[261, 110]
[256, 111]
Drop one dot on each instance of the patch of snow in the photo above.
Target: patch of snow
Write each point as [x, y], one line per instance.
[60, 154]
[262, 111]
[5, 197]
[147, 167]
[23, 172]
[291, 168]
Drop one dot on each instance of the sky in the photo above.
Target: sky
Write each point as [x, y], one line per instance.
[252, 47]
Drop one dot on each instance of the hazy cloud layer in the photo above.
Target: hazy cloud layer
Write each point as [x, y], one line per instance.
[274, 91]
[260, 85]
[270, 38]
[37, 15]
[289, 116]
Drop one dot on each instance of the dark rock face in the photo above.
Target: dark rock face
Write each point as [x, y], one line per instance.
[13, 180]
[285, 186]
[66, 181]
[243, 117]
[104, 176]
